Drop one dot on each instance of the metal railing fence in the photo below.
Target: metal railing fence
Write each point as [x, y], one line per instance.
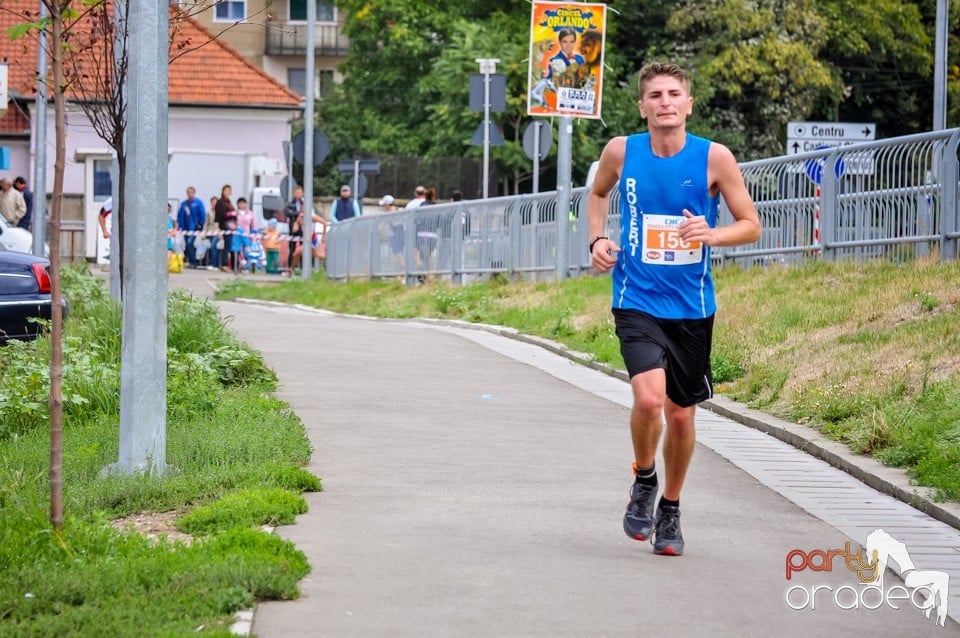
[894, 199]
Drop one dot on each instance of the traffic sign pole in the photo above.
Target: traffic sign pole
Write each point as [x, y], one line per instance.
[536, 159]
[488, 66]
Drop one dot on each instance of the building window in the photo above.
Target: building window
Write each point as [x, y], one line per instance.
[230, 10]
[102, 179]
[297, 81]
[325, 11]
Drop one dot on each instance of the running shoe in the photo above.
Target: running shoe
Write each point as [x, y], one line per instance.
[667, 538]
[638, 520]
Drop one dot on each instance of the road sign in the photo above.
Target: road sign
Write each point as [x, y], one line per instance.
[497, 95]
[321, 147]
[808, 136]
[803, 137]
[545, 140]
[363, 165]
[496, 139]
[814, 167]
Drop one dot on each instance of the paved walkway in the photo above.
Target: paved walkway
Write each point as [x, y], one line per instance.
[474, 486]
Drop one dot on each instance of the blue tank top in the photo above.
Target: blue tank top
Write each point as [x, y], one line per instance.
[656, 272]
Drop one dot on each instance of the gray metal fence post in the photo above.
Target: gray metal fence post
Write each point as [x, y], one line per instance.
[515, 211]
[457, 227]
[950, 224]
[829, 210]
[375, 251]
[410, 246]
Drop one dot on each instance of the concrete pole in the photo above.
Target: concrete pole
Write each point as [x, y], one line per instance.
[119, 35]
[306, 257]
[114, 265]
[940, 69]
[564, 164]
[143, 359]
[40, 147]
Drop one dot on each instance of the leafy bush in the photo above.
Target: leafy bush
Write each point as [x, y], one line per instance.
[224, 433]
[202, 354]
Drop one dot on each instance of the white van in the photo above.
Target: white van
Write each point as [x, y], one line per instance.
[256, 205]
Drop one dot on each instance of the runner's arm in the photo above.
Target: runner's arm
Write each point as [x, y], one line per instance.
[724, 174]
[603, 253]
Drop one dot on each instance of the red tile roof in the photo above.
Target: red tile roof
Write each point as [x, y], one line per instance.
[205, 71]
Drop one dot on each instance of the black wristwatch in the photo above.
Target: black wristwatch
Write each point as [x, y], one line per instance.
[595, 240]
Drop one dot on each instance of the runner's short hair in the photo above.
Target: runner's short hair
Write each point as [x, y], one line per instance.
[651, 70]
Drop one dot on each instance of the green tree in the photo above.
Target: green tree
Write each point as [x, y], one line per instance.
[755, 66]
[882, 54]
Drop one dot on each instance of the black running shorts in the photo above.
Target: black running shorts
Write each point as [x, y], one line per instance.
[680, 346]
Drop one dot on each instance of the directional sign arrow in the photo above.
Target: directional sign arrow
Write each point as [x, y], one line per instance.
[866, 131]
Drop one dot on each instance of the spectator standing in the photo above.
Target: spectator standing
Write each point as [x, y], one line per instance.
[294, 208]
[344, 207]
[105, 211]
[21, 185]
[211, 230]
[428, 235]
[419, 195]
[245, 218]
[393, 230]
[241, 236]
[171, 231]
[226, 218]
[317, 241]
[191, 218]
[12, 205]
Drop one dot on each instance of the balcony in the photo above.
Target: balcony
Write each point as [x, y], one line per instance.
[284, 38]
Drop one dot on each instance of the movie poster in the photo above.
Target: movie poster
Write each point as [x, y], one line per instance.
[566, 59]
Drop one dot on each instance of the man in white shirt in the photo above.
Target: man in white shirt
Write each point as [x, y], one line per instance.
[419, 196]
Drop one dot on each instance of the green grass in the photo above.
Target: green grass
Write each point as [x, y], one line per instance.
[244, 508]
[91, 580]
[866, 353]
[228, 438]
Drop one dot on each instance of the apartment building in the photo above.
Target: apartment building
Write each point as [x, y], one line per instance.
[272, 35]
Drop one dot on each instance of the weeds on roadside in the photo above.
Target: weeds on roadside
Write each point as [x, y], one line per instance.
[225, 433]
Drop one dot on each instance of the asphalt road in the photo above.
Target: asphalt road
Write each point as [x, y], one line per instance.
[468, 493]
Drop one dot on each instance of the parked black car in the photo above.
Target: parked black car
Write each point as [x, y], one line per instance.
[24, 295]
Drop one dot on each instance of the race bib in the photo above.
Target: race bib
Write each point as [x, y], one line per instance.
[663, 245]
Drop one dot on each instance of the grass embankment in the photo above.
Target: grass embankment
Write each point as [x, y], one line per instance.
[228, 439]
[869, 354]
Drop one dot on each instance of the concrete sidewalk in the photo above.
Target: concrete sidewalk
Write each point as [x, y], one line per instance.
[475, 485]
